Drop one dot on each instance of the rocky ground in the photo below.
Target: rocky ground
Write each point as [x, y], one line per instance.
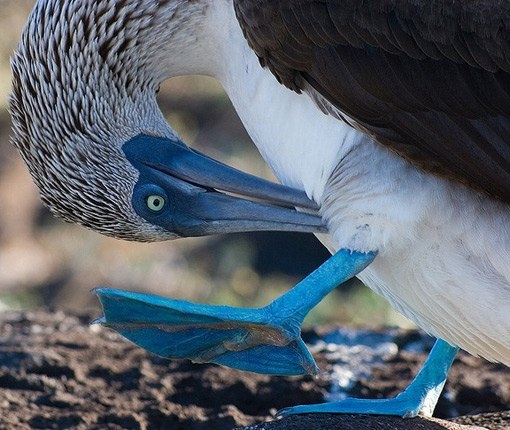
[57, 372]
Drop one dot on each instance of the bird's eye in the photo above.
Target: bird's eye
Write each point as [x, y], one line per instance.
[155, 203]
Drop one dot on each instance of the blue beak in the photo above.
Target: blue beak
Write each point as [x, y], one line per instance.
[185, 192]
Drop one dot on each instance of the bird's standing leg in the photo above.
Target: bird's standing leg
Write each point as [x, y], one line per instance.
[419, 397]
[263, 340]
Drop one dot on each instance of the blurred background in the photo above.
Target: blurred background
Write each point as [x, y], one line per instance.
[46, 262]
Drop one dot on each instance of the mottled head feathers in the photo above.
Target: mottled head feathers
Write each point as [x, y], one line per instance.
[84, 81]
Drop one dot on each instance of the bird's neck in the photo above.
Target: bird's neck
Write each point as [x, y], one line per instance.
[277, 119]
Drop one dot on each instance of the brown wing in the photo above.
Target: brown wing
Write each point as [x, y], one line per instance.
[429, 78]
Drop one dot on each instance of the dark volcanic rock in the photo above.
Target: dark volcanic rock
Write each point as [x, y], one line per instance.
[58, 373]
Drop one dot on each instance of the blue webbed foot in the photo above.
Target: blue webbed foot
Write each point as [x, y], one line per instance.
[419, 397]
[265, 340]
[245, 339]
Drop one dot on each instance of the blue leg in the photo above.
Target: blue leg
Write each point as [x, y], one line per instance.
[264, 340]
[420, 396]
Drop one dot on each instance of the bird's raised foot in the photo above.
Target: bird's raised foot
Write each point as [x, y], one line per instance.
[265, 340]
[246, 339]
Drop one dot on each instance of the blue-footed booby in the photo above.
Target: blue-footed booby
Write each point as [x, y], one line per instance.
[387, 123]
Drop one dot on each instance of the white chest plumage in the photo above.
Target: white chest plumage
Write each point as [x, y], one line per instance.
[443, 249]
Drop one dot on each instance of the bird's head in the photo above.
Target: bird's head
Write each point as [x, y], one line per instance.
[86, 122]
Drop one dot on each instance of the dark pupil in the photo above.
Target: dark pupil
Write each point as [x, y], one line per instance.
[156, 202]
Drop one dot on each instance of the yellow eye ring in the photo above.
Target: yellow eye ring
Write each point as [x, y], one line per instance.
[155, 202]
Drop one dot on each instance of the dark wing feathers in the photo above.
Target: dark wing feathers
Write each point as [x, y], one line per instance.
[429, 78]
